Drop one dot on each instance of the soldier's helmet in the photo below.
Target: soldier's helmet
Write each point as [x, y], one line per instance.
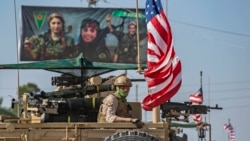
[122, 81]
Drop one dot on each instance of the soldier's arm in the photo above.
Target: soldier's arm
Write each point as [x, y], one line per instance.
[143, 35]
[112, 104]
[122, 119]
[33, 46]
[110, 108]
[28, 48]
[108, 21]
[118, 34]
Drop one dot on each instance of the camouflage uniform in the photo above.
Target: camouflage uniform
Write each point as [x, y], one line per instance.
[96, 51]
[127, 48]
[111, 108]
[45, 48]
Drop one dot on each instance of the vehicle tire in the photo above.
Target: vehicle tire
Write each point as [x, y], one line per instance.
[131, 135]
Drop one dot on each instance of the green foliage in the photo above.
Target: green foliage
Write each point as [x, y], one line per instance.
[28, 88]
[1, 101]
[5, 111]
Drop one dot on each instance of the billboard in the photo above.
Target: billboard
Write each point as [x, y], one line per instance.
[101, 34]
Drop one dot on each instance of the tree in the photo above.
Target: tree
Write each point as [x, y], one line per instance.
[26, 88]
[5, 111]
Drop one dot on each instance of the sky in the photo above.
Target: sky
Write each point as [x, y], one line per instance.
[211, 36]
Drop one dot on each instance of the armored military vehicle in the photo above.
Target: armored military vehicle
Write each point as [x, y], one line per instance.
[70, 112]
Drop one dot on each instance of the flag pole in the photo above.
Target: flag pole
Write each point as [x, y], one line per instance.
[156, 114]
[201, 79]
[139, 69]
[228, 136]
[209, 125]
[17, 55]
[156, 110]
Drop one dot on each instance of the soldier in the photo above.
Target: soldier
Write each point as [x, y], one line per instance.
[54, 44]
[127, 47]
[115, 107]
[92, 42]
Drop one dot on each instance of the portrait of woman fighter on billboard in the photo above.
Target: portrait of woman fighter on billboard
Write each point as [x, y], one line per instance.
[126, 51]
[92, 41]
[53, 44]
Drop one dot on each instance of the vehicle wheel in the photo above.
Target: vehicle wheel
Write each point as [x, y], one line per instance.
[131, 135]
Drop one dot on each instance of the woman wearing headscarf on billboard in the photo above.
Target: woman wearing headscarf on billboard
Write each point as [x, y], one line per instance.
[92, 41]
[53, 44]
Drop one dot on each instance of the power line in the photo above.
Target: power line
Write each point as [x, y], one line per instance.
[230, 98]
[218, 83]
[235, 107]
[212, 29]
[230, 90]
[230, 82]
[221, 91]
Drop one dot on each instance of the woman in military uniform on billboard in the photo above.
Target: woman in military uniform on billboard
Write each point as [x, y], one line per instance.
[92, 41]
[54, 44]
[126, 51]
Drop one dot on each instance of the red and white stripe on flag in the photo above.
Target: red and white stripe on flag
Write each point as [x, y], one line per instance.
[229, 128]
[197, 99]
[164, 67]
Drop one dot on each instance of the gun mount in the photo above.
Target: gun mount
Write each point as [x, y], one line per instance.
[70, 80]
[72, 101]
[76, 92]
[174, 110]
[54, 109]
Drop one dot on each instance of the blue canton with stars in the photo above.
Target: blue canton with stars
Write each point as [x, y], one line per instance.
[153, 7]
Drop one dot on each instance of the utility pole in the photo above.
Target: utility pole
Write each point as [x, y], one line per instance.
[17, 55]
[136, 92]
[139, 67]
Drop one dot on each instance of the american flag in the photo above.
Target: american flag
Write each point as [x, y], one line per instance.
[197, 99]
[229, 128]
[163, 74]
